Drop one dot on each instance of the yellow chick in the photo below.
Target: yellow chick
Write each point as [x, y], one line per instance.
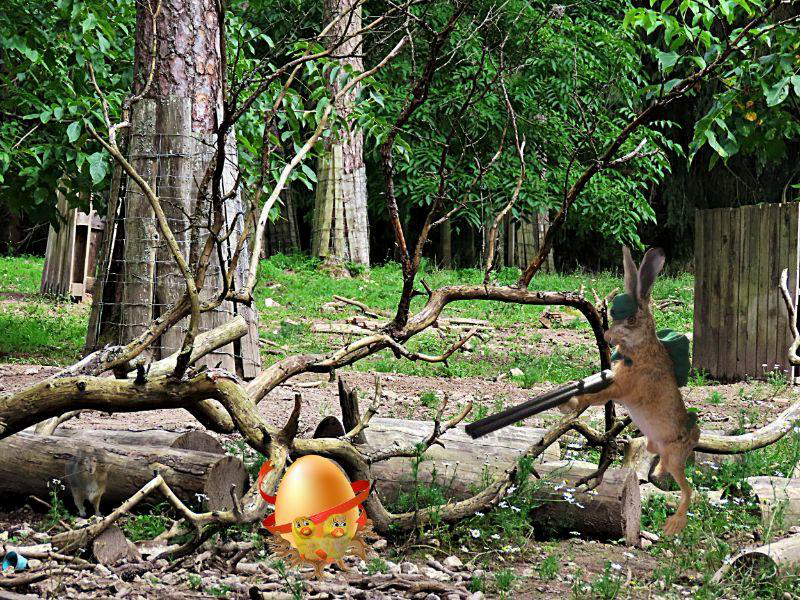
[303, 536]
[335, 541]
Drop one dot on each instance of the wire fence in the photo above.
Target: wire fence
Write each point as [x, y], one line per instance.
[140, 278]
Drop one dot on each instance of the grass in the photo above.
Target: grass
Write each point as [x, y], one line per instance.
[39, 329]
[21, 274]
[52, 331]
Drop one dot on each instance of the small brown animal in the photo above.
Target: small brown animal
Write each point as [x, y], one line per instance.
[87, 476]
[645, 384]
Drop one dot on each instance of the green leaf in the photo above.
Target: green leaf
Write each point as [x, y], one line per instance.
[667, 59]
[777, 93]
[309, 172]
[74, 131]
[795, 79]
[97, 167]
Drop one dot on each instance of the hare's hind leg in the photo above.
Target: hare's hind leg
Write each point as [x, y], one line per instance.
[673, 459]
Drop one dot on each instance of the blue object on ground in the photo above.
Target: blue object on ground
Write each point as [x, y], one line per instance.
[13, 559]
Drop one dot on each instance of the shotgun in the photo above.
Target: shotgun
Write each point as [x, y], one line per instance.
[593, 383]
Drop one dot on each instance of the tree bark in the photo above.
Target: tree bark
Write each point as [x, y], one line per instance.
[340, 232]
[461, 465]
[190, 440]
[129, 467]
[173, 141]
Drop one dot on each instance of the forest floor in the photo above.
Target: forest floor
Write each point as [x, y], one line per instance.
[523, 353]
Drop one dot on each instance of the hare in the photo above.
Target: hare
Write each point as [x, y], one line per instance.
[644, 383]
[87, 476]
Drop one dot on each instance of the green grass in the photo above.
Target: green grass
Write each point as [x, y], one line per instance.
[52, 331]
[43, 332]
[21, 274]
[296, 283]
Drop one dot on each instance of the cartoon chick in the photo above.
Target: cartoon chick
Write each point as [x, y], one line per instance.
[303, 536]
[335, 540]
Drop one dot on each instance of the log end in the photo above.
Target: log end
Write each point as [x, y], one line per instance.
[226, 473]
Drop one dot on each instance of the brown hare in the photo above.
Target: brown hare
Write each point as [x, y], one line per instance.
[645, 384]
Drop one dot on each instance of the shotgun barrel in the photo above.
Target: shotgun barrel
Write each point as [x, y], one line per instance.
[593, 383]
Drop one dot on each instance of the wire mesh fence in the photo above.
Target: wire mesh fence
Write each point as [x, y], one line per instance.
[140, 279]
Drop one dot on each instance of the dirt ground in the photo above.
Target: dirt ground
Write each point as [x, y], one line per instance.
[725, 406]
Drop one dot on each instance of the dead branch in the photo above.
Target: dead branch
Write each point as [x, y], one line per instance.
[791, 309]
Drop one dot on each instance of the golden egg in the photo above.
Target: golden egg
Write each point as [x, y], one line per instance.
[311, 485]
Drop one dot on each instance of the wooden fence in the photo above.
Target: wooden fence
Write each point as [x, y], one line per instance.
[70, 260]
[740, 319]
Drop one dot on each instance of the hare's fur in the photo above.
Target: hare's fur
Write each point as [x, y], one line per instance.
[645, 385]
[87, 476]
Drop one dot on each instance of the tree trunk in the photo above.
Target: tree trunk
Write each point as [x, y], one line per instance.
[445, 246]
[129, 468]
[282, 235]
[528, 236]
[340, 232]
[190, 440]
[172, 142]
[460, 465]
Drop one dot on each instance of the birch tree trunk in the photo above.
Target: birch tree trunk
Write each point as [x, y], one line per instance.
[172, 142]
[340, 231]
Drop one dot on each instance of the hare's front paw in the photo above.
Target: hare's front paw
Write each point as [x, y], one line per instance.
[675, 524]
[569, 406]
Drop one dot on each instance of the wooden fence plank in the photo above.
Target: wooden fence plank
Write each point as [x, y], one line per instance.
[752, 291]
[771, 282]
[730, 288]
[742, 222]
[793, 264]
[721, 292]
[698, 328]
[715, 246]
[765, 247]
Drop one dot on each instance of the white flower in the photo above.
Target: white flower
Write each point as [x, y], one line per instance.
[478, 513]
[476, 533]
[495, 536]
[616, 566]
[512, 489]
[515, 509]
[503, 504]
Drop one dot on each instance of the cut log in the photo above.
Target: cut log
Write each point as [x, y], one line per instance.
[612, 511]
[158, 438]
[461, 465]
[782, 555]
[43, 458]
[779, 500]
[111, 546]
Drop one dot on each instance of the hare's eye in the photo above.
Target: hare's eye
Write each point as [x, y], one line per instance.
[631, 320]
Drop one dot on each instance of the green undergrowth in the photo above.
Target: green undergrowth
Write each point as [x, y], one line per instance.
[301, 290]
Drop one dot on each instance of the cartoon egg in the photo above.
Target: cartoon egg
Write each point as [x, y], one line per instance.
[312, 485]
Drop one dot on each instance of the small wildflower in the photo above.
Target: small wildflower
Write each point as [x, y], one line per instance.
[478, 513]
[495, 536]
[476, 533]
[616, 566]
[503, 504]
[515, 509]
[512, 489]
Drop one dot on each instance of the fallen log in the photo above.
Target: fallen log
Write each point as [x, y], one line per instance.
[613, 510]
[774, 557]
[158, 438]
[461, 465]
[778, 499]
[43, 458]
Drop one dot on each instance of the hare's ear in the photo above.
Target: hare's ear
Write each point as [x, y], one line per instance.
[631, 274]
[652, 263]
